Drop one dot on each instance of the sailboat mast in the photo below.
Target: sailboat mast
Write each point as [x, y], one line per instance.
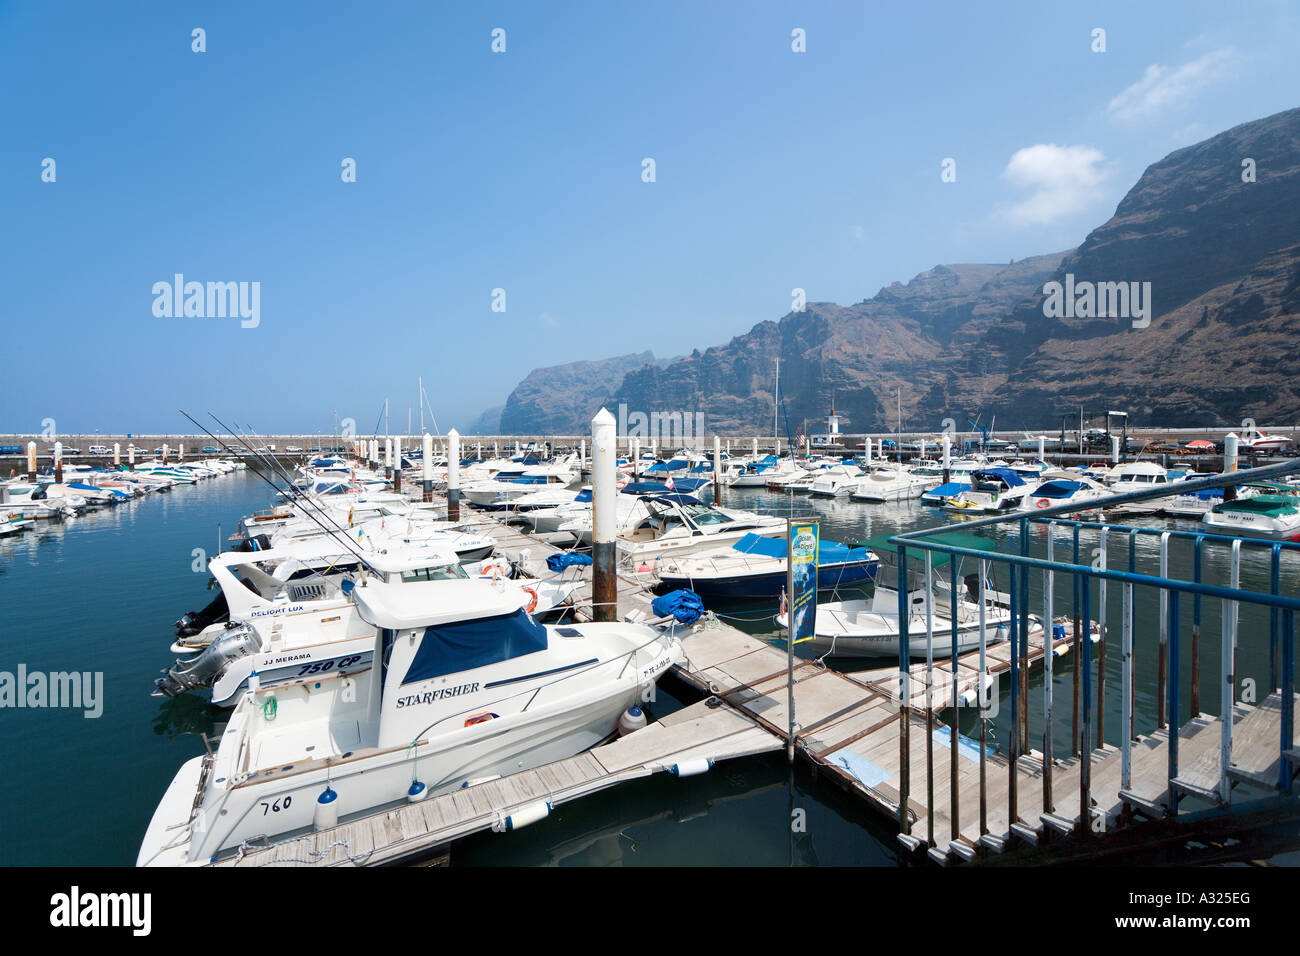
[420, 381]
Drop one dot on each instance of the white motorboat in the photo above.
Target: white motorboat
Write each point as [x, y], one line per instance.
[891, 482]
[680, 523]
[462, 685]
[1273, 516]
[1056, 488]
[1135, 476]
[838, 481]
[992, 490]
[758, 473]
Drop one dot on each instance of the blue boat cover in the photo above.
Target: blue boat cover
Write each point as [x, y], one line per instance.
[567, 559]
[1060, 488]
[1012, 479]
[685, 606]
[830, 552]
[644, 488]
[465, 645]
[584, 495]
[948, 490]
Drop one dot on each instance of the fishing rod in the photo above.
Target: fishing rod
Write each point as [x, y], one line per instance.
[346, 541]
[305, 498]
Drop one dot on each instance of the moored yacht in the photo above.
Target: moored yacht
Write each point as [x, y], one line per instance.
[462, 684]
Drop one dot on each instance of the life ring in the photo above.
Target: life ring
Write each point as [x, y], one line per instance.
[494, 569]
[532, 599]
[1044, 503]
[621, 484]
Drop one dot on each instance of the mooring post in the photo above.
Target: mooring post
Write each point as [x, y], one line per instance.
[604, 505]
[1230, 464]
[636, 459]
[397, 464]
[388, 459]
[130, 457]
[117, 455]
[717, 470]
[426, 465]
[58, 462]
[947, 458]
[453, 475]
[31, 462]
[165, 450]
[1042, 449]
[867, 444]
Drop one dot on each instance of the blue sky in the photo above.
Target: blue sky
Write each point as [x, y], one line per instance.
[522, 171]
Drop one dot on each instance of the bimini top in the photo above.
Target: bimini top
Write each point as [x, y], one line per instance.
[953, 539]
[829, 552]
[1272, 506]
[1005, 475]
[430, 603]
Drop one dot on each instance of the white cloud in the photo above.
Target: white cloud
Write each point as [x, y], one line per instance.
[1062, 180]
[1164, 88]
[547, 320]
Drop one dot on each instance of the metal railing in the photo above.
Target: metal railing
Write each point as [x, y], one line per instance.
[1089, 703]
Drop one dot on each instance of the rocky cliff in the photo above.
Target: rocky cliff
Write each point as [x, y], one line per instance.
[1216, 258]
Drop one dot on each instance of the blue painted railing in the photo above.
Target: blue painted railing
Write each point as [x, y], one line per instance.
[1168, 691]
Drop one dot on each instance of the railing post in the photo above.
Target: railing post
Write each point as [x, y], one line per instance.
[1174, 710]
[1132, 624]
[952, 755]
[1197, 548]
[1075, 651]
[1024, 639]
[1049, 585]
[1101, 644]
[1162, 651]
[929, 700]
[604, 494]
[982, 700]
[1228, 689]
[1013, 625]
[1126, 689]
[1274, 583]
[1288, 701]
[1085, 725]
[904, 696]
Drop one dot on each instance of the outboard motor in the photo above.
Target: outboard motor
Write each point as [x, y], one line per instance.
[237, 641]
[194, 621]
[258, 542]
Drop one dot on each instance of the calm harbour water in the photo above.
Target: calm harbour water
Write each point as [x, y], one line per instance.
[99, 593]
